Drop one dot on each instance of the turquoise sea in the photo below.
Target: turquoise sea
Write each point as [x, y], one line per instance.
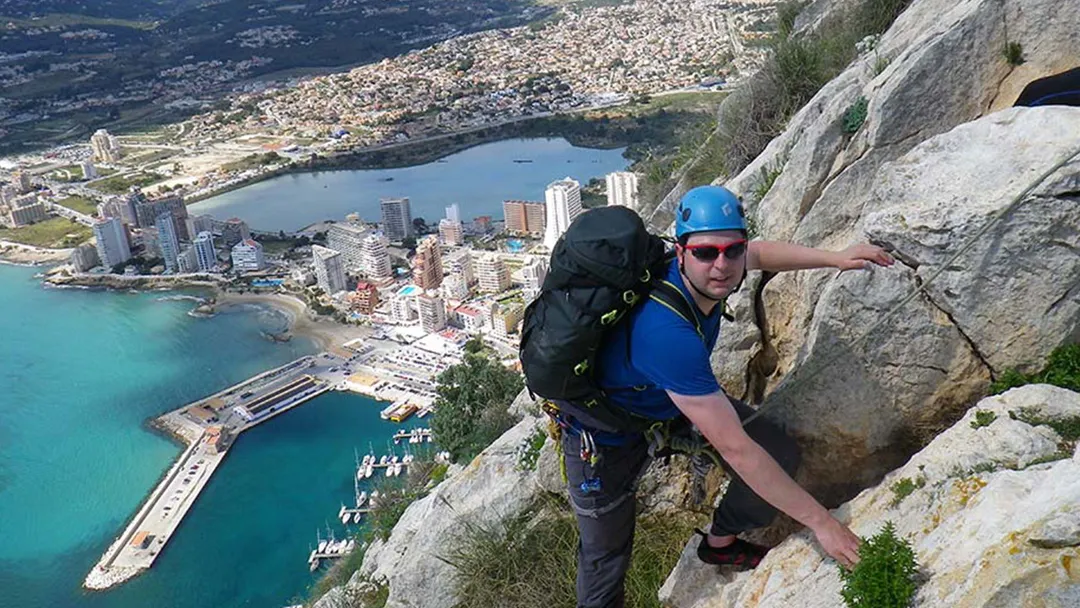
[479, 179]
[80, 372]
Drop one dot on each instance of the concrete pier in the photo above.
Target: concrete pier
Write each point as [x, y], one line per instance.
[209, 427]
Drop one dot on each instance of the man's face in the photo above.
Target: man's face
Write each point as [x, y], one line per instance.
[714, 261]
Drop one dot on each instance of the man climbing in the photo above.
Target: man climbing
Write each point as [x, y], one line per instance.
[655, 364]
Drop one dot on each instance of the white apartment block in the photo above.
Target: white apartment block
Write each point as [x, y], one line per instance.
[374, 258]
[453, 213]
[505, 318]
[455, 287]
[533, 275]
[470, 319]
[187, 261]
[199, 223]
[112, 242]
[460, 262]
[622, 189]
[88, 170]
[329, 269]
[26, 210]
[492, 274]
[168, 241]
[205, 255]
[432, 313]
[84, 257]
[349, 238]
[563, 201]
[401, 309]
[247, 256]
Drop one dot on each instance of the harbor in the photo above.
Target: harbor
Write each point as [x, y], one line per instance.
[209, 427]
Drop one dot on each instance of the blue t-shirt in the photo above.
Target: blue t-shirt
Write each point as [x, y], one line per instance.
[664, 353]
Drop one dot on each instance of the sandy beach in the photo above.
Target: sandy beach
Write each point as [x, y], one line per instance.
[325, 333]
[18, 253]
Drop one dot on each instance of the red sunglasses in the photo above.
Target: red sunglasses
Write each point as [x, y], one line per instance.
[709, 253]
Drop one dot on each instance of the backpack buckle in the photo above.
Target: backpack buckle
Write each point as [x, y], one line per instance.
[609, 317]
[630, 297]
[581, 368]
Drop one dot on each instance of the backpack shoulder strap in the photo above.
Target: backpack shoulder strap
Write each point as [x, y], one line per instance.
[667, 294]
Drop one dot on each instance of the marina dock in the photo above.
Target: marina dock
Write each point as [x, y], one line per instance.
[209, 427]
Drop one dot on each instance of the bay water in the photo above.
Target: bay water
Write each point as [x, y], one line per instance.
[80, 373]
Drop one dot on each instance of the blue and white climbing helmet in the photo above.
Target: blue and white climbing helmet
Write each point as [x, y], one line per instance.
[708, 208]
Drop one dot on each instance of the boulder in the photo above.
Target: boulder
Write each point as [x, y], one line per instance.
[990, 515]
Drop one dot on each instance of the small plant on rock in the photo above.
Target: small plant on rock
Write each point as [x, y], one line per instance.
[885, 574]
[983, 418]
[1014, 53]
[904, 487]
[855, 116]
[529, 450]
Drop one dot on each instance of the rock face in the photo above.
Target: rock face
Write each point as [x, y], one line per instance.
[990, 526]
[917, 179]
[490, 488]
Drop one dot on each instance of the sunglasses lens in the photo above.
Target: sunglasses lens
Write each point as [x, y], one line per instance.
[735, 251]
[706, 254]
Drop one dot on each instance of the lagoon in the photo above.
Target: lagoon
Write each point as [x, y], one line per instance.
[479, 179]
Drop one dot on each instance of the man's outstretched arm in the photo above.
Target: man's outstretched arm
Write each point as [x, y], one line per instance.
[777, 256]
[715, 417]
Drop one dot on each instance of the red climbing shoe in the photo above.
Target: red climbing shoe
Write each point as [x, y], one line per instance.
[740, 553]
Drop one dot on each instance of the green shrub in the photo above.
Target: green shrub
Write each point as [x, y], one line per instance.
[529, 561]
[1013, 53]
[471, 406]
[1068, 427]
[904, 488]
[885, 574]
[855, 116]
[768, 176]
[983, 418]
[1062, 369]
[529, 450]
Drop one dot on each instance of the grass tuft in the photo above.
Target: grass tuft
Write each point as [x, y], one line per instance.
[885, 574]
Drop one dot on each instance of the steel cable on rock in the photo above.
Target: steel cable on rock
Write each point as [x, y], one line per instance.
[1015, 203]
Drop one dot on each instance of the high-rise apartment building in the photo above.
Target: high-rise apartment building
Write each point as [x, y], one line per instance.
[427, 264]
[348, 238]
[168, 241]
[374, 258]
[199, 223]
[247, 256]
[205, 255]
[88, 170]
[148, 210]
[451, 233]
[188, 260]
[112, 242]
[563, 203]
[524, 217]
[233, 231]
[453, 213]
[396, 218]
[432, 313]
[622, 188]
[84, 257]
[329, 269]
[492, 274]
[533, 275]
[460, 262]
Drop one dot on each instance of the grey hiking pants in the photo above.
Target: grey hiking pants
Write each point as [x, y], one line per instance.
[606, 514]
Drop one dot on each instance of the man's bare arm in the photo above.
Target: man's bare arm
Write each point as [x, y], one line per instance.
[717, 420]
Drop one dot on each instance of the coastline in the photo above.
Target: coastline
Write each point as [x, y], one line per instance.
[324, 333]
[29, 255]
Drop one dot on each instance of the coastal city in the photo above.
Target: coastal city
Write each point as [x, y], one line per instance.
[390, 301]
